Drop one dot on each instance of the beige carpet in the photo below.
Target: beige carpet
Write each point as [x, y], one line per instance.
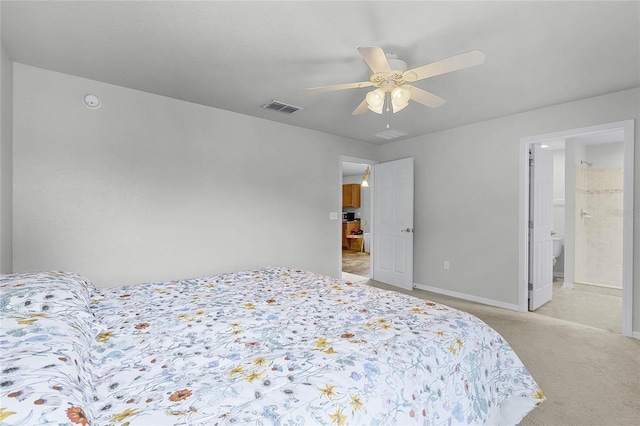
[589, 376]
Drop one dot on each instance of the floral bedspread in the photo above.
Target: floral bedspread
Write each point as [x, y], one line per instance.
[271, 347]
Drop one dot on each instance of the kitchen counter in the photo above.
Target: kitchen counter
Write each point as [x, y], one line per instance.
[348, 226]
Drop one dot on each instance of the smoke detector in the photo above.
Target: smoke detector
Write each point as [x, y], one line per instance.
[91, 101]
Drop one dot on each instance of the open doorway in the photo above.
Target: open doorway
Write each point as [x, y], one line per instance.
[589, 171]
[356, 237]
[591, 217]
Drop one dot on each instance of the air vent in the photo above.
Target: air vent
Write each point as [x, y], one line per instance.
[391, 134]
[282, 107]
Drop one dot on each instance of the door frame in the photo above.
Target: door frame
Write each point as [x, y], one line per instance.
[348, 159]
[628, 127]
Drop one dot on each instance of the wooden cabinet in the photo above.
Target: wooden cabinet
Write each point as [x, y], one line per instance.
[351, 195]
[347, 228]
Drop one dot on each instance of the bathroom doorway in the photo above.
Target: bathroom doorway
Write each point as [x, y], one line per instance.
[588, 169]
[595, 264]
[356, 233]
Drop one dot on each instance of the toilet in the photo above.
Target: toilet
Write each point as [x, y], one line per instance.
[558, 242]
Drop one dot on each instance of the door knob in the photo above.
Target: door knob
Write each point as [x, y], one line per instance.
[406, 230]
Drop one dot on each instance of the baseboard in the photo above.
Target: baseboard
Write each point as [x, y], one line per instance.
[636, 335]
[469, 297]
[558, 274]
[567, 285]
[598, 289]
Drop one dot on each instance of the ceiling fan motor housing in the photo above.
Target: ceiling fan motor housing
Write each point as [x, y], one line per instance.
[386, 80]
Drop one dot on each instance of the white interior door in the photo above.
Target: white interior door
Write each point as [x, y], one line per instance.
[393, 223]
[540, 227]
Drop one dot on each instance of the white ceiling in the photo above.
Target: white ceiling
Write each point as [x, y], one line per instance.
[239, 55]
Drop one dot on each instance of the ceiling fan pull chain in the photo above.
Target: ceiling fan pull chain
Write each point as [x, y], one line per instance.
[387, 110]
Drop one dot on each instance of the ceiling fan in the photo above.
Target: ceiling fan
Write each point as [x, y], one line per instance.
[391, 78]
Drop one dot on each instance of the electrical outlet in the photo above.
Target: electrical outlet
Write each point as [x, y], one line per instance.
[446, 264]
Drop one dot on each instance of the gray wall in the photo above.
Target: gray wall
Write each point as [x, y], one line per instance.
[151, 188]
[6, 156]
[467, 195]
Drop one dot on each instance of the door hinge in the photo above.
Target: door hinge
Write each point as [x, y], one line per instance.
[530, 224]
[531, 162]
[530, 286]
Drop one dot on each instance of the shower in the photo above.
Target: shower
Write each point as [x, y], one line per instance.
[597, 231]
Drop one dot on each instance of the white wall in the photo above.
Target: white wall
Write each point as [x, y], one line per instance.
[605, 155]
[558, 191]
[467, 195]
[151, 188]
[6, 168]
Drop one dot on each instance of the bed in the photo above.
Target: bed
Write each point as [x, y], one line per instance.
[275, 346]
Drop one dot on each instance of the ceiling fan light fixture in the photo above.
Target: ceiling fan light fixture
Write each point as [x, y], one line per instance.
[375, 100]
[400, 98]
[377, 110]
[398, 108]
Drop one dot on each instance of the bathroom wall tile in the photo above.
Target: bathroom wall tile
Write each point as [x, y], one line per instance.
[598, 239]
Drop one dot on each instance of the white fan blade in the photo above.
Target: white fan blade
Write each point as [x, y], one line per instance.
[376, 59]
[425, 98]
[339, 87]
[454, 63]
[361, 109]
